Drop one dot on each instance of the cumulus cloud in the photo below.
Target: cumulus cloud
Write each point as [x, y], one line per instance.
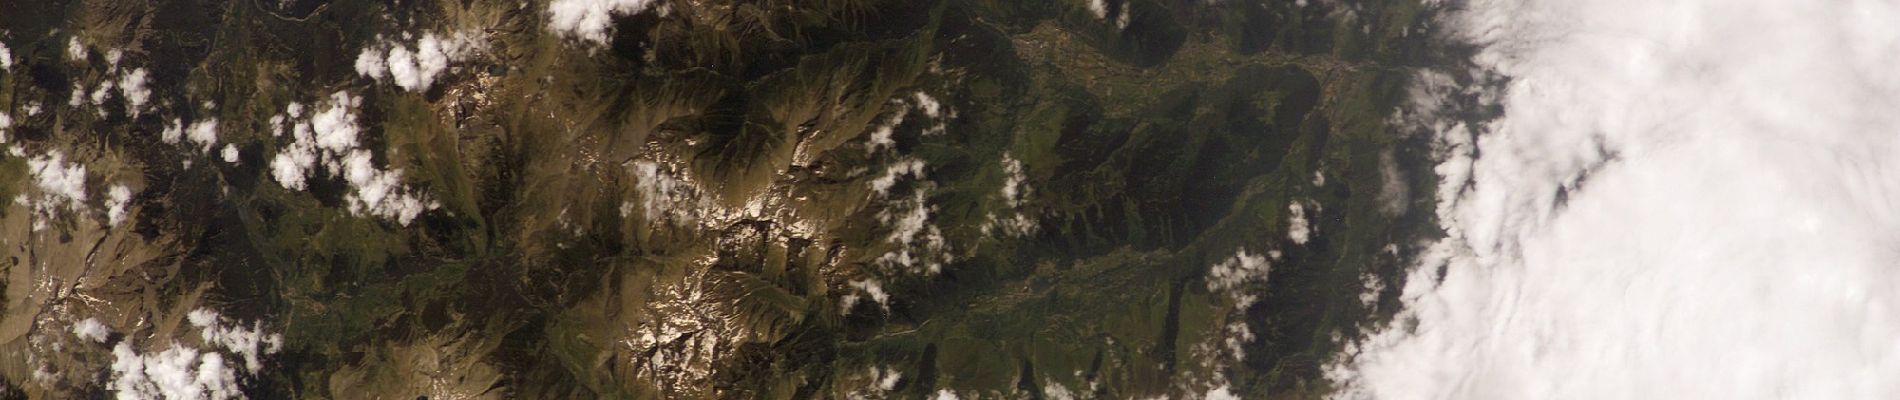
[370, 63]
[1014, 190]
[91, 329]
[329, 139]
[1013, 187]
[1688, 199]
[251, 343]
[75, 50]
[869, 288]
[185, 372]
[102, 93]
[204, 133]
[6, 58]
[229, 154]
[78, 97]
[1297, 228]
[415, 67]
[116, 199]
[174, 131]
[62, 186]
[132, 86]
[920, 244]
[590, 20]
[883, 137]
[1056, 391]
[907, 167]
[1230, 275]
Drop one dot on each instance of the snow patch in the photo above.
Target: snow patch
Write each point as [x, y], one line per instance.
[664, 196]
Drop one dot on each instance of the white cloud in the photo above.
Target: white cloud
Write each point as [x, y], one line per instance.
[1015, 222]
[590, 20]
[1099, 8]
[402, 68]
[928, 104]
[183, 372]
[1219, 393]
[335, 127]
[229, 154]
[6, 58]
[103, 92]
[91, 329]
[75, 50]
[1728, 203]
[907, 167]
[132, 86]
[62, 186]
[1230, 275]
[1056, 391]
[1297, 228]
[869, 288]
[882, 137]
[174, 131]
[920, 244]
[944, 394]
[330, 139]
[203, 132]
[370, 63]
[1122, 18]
[1013, 187]
[251, 344]
[415, 67]
[116, 199]
[78, 97]
[921, 247]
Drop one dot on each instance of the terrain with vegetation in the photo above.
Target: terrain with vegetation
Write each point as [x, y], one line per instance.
[702, 198]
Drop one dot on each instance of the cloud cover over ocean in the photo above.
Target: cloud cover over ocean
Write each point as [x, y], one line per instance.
[1693, 199]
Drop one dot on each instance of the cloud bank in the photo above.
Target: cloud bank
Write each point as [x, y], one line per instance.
[1687, 200]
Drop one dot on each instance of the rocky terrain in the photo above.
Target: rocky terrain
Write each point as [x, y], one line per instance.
[701, 198]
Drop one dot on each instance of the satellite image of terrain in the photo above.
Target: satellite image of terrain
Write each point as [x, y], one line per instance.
[949, 199]
[700, 198]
